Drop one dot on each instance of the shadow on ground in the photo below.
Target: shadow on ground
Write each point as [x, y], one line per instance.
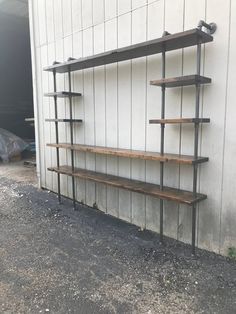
[55, 260]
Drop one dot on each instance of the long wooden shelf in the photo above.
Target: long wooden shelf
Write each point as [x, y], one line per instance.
[182, 120]
[166, 43]
[186, 80]
[170, 194]
[62, 94]
[173, 158]
[65, 120]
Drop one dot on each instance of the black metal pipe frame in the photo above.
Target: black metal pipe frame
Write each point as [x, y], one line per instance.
[163, 94]
[57, 138]
[72, 141]
[211, 28]
[196, 136]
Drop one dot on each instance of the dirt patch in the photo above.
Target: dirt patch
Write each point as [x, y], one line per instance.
[18, 172]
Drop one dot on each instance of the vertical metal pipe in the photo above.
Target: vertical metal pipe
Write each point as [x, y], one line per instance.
[72, 141]
[196, 135]
[162, 144]
[57, 137]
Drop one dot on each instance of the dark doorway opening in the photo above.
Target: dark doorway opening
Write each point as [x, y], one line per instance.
[16, 90]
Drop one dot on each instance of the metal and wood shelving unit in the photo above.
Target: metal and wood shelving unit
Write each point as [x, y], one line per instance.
[193, 37]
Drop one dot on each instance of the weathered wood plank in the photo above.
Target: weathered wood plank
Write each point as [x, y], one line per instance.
[147, 48]
[137, 154]
[171, 194]
[181, 120]
[186, 80]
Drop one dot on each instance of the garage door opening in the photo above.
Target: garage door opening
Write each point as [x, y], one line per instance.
[16, 91]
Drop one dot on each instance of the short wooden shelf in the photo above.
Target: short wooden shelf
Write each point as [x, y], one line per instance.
[166, 43]
[173, 158]
[181, 120]
[170, 194]
[62, 94]
[64, 120]
[186, 80]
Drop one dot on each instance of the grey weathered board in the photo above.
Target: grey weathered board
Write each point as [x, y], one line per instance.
[179, 120]
[165, 43]
[186, 80]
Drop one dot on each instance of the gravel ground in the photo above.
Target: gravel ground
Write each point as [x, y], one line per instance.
[55, 260]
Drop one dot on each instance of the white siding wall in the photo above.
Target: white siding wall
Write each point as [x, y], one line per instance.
[118, 101]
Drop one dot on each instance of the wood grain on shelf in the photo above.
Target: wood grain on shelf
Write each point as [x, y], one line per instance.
[174, 158]
[171, 194]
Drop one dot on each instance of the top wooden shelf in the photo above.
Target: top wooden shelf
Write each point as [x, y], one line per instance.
[166, 43]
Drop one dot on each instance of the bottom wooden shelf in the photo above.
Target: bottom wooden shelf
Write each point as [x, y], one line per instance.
[171, 194]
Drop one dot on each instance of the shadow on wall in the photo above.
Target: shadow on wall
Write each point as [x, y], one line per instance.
[16, 102]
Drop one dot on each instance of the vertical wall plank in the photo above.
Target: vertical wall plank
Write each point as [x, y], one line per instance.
[68, 52]
[98, 11]
[124, 113]
[214, 106]
[228, 219]
[138, 112]
[66, 17]
[35, 18]
[76, 15]
[111, 41]
[154, 30]
[173, 23]
[194, 11]
[124, 6]
[87, 16]
[58, 24]
[110, 9]
[51, 126]
[41, 118]
[89, 114]
[79, 129]
[138, 3]
[59, 57]
[51, 58]
[42, 22]
[62, 130]
[49, 20]
[100, 114]
[46, 114]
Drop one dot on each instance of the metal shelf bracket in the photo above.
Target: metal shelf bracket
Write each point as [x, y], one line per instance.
[211, 27]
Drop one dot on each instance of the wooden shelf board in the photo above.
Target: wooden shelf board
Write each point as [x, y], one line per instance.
[62, 94]
[181, 81]
[173, 158]
[64, 120]
[170, 194]
[167, 43]
[181, 120]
